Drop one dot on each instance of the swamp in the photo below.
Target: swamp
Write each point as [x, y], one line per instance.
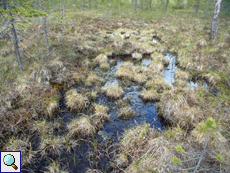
[115, 86]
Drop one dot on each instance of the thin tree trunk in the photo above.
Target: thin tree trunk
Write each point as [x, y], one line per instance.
[45, 35]
[166, 5]
[45, 30]
[135, 6]
[15, 39]
[142, 5]
[215, 19]
[197, 6]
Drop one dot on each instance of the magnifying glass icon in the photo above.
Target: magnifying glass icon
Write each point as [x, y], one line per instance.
[9, 160]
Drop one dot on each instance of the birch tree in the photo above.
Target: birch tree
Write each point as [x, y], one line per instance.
[215, 19]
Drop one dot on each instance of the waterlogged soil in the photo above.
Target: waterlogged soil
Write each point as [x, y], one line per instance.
[86, 154]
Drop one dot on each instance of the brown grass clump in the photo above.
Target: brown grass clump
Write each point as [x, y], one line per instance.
[181, 106]
[140, 78]
[180, 74]
[156, 65]
[23, 145]
[126, 70]
[158, 84]
[101, 59]
[100, 116]
[149, 95]
[92, 79]
[126, 113]
[81, 126]
[74, 100]
[212, 78]
[51, 146]
[104, 66]
[159, 57]
[55, 167]
[114, 91]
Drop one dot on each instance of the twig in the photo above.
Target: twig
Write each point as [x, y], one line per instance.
[206, 141]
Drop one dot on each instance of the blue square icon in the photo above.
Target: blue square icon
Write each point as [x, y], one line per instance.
[10, 161]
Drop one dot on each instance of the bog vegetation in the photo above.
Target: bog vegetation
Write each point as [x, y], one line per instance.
[73, 74]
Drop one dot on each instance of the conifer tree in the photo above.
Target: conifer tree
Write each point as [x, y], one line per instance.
[14, 16]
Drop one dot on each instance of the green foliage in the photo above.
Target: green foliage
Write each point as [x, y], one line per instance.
[179, 148]
[176, 160]
[210, 123]
[219, 158]
[144, 130]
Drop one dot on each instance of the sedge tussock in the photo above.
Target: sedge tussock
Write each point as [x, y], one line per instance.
[159, 58]
[140, 78]
[81, 126]
[149, 95]
[101, 59]
[126, 113]
[23, 145]
[100, 116]
[104, 66]
[74, 100]
[54, 167]
[51, 146]
[158, 84]
[180, 106]
[126, 70]
[212, 78]
[114, 91]
[92, 79]
[182, 75]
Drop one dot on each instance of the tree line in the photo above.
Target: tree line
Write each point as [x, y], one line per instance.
[16, 14]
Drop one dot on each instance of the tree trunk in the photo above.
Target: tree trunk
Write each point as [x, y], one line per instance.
[45, 29]
[215, 19]
[15, 39]
[166, 5]
[135, 6]
[142, 5]
[45, 35]
[197, 6]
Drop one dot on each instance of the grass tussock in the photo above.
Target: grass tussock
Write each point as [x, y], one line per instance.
[51, 146]
[101, 59]
[91, 80]
[140, 78]
[104, 66]
[126, 70]
[159, 57]
[55, 167]
[74, 100]
[23, 145]
[150, 95]
[100, 116]
[181, 107]
[181, 75]
[158, 84]
[114, 91]
[81, 127]
[126, 113]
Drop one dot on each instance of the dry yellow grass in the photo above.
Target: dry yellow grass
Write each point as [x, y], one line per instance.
[126, 113]
[114, 91]
[81, 126]
[150, 95]
[74, 100]
[180, 106]
[126, 70]
[101, 59]
[92, 79]
[182, 75]
[158, 84]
